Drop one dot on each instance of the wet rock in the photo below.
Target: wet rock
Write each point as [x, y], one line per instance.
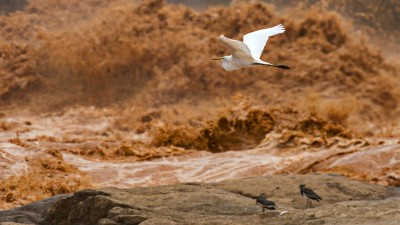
[344, 201]
[84, 207]
[29, 214]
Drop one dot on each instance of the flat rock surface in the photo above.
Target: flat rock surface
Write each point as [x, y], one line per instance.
[345, 201]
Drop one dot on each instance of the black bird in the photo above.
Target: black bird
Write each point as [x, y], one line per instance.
[310, 194]
[264, 203]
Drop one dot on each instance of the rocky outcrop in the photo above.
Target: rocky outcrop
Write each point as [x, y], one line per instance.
[30, 214]
[344, 201]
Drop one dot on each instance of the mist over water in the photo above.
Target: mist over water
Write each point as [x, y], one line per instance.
[123, 93]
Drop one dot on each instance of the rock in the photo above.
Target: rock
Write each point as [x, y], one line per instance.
[41, 206]
[106, 221]
[19, 216]
[130, 219]
[11, 223]
[84, 207]
[31, 213]
[344, 201]
[156, 221]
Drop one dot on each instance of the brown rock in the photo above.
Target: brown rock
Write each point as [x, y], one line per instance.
[344, 201]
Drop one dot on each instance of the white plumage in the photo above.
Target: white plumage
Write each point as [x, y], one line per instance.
[248, 52]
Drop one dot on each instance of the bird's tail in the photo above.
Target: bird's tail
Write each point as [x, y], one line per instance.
[273, 65]
[282, 66]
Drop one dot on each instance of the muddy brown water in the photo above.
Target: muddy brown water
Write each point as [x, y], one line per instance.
[122, 93]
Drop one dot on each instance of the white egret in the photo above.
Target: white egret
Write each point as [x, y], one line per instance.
[248, 52]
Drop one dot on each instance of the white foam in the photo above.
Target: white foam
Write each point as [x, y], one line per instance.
[12, 160]
[199, 167]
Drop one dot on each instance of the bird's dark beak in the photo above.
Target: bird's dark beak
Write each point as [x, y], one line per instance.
[220, 58]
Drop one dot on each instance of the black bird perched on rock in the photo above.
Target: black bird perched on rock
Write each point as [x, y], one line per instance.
[310, 194]
[264, 203]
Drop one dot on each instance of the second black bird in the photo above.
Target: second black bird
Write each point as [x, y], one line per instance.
[264, 203]
[309, 194]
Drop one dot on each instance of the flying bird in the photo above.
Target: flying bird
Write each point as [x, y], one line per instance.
[248, 52]
[264, 203]
[309, 194]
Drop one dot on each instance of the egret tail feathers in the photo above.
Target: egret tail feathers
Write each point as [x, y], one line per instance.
[269, 64]
[282, 67]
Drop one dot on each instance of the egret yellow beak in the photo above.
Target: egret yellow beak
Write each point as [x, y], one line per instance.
[220, 58]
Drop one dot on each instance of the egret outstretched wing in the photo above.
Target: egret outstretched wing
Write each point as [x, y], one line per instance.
[238, 48]
[248, 52]
[257, 40]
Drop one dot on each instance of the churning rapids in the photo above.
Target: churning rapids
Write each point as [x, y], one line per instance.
[122, 93]
[56, 143]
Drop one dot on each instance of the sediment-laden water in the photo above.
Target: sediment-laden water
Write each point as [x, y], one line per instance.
[122, 93]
